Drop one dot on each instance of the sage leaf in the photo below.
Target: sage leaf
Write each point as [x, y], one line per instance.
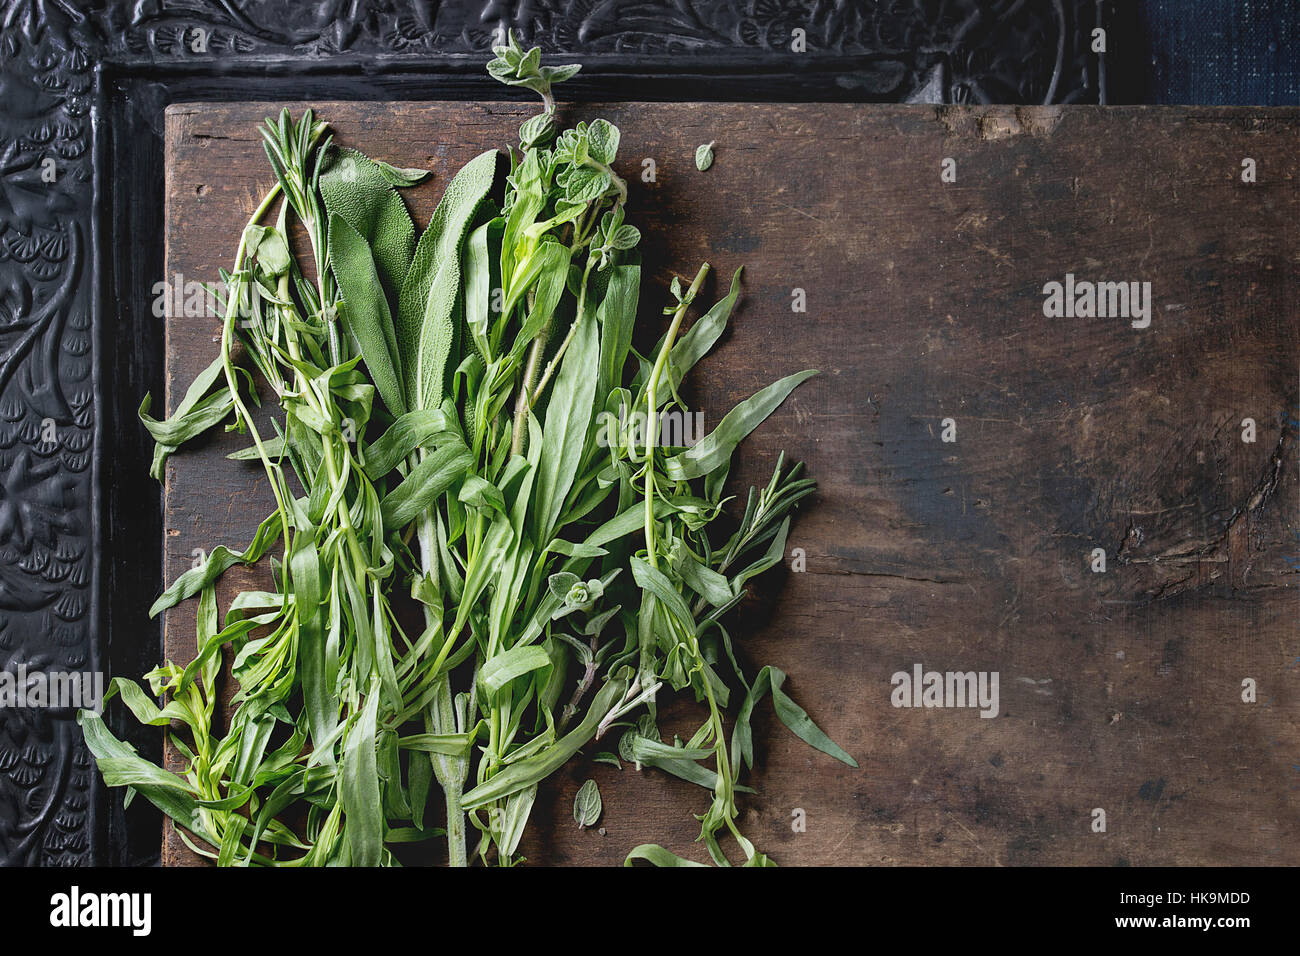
[425, 316]
[359, 191]
[401, 177]
[366, 315]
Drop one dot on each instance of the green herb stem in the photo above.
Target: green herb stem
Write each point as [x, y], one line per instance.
[652, 412]
[559, 353]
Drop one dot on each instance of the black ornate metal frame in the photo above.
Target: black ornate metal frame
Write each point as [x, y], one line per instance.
[83, 85]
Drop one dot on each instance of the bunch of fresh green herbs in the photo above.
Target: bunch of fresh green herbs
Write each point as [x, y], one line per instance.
[472, 427]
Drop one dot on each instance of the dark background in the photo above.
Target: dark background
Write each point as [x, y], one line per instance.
[86, 81]
[1210, 52]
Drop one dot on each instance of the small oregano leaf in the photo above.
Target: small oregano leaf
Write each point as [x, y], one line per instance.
[704, 156]
[587, 805]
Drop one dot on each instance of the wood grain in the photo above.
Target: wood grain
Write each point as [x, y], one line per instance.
[1119, 690]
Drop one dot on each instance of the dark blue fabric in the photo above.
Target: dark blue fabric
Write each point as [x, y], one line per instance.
[1229, 52]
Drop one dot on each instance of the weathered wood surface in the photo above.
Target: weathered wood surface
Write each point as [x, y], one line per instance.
[1119, 690]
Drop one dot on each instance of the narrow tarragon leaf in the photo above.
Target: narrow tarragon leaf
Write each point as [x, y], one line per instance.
[770, 559]
[655, 581]
[123, 767]
[515, 819]
[527, 772]
[617, 316]
[529, 199]
[703, 335]
[622, 524]
[412, 834]
[425, 484]
[216, 563]
[197, 418]
[646, 749]
[790, 713]
[798, 721]
[413, 430]
[506, 666]
[195, 415]
[452, 745]
[318, 697]
[656, 855]
[142, 706]
[274, 448]
[705, 581]
[480, 493]
[359, 786]
[481, 276]
[714, 450]
[554, 269]
[567, 419]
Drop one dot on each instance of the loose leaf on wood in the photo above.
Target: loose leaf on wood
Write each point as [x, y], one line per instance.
[587, 805]
[216, 563]
[790, 713]
[704, 156]
[197, 412]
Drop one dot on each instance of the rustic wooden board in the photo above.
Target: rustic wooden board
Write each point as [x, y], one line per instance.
[1119, 690]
